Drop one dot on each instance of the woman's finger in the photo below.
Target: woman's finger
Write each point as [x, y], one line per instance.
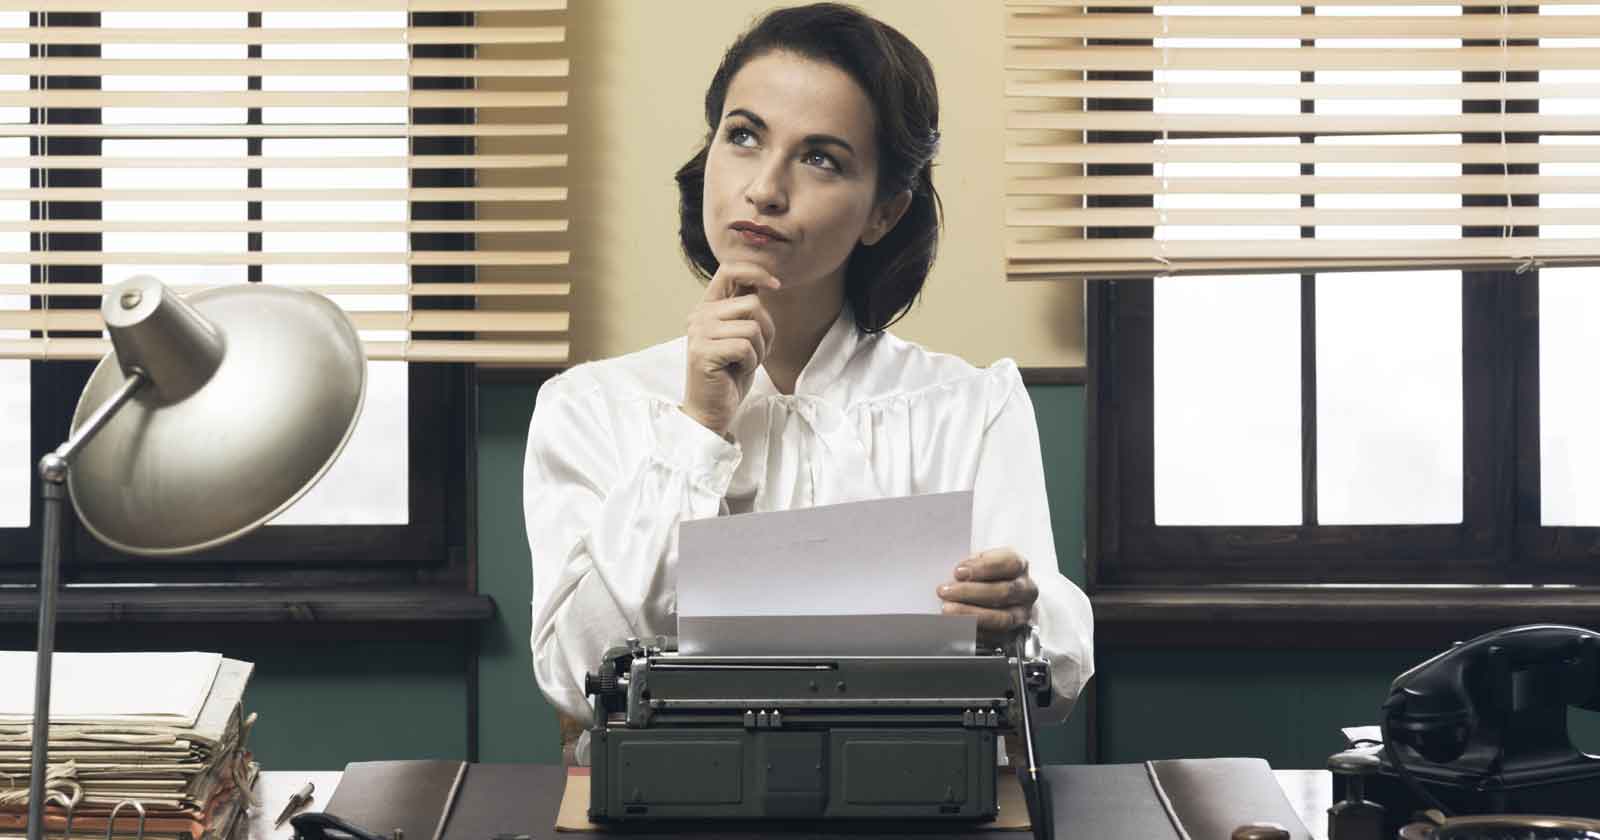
[748, 307]
[991, 620]
[748, 330]
[994, 564]
[985, 594]
[735, 279]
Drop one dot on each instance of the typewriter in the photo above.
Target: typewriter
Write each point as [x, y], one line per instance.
[850, 738]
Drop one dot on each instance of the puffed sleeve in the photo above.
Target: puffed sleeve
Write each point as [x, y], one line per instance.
[1010, 509]
[602, 524]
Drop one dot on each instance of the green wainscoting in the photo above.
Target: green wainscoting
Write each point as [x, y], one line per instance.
[1286, 705]
[514, 721]
[325, 703]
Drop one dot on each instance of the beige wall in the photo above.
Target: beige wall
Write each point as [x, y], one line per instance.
[639, 73]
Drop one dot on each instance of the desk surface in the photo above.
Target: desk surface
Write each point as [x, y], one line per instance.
[1309, 791]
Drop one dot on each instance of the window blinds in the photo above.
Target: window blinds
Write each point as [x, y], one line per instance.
[1230, 136]
[335, 145]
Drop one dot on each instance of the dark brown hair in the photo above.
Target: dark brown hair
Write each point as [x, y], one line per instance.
[881, 280]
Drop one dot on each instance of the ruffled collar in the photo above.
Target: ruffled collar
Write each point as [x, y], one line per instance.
[823, 369]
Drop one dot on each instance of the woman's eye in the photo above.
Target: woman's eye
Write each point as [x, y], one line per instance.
[820, 159]
[741, 136]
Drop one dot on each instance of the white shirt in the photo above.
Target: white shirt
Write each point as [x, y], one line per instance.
[613, 466]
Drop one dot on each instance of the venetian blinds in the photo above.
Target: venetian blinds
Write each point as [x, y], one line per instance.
[1228, 136]
[337, 145]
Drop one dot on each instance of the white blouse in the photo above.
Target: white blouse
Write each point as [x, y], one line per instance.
[613, 466]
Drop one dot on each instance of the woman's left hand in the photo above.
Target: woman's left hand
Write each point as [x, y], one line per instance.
[994, 586]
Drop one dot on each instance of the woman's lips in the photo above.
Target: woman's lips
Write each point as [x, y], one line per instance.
[751, 237]
[757, 235]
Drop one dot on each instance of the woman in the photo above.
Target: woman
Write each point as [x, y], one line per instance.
[811, 211]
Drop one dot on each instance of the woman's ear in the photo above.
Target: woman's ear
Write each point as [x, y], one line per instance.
[885, 216]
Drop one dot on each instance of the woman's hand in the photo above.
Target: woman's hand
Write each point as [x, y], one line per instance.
[994, 586]
[729, 333]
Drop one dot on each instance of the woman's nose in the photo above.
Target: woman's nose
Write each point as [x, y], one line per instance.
[766, 191]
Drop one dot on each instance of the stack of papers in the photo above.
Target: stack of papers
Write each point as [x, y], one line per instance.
[165, 730]
[856, 579]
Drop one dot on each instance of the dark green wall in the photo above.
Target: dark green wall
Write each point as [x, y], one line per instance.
[515, 722]
[324, 704]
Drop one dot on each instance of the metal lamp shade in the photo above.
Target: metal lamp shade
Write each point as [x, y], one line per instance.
[256, 389]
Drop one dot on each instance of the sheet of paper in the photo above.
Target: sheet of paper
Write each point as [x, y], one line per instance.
[837, 566]
[160, 688]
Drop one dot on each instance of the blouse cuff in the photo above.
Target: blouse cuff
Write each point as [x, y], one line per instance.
[707, 458]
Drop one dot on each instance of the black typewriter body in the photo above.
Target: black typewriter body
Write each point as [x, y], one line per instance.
[855, 737]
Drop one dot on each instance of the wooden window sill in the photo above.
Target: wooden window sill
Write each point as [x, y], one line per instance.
[1328, 616]
[247, 604]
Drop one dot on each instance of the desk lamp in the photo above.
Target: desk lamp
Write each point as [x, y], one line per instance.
[210, 416]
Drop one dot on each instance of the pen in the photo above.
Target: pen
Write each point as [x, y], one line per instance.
[301, 798]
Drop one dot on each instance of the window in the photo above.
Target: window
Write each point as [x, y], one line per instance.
[296, 144]
[1346, 366]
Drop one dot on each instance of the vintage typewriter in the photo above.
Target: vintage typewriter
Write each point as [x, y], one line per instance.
[852, 737]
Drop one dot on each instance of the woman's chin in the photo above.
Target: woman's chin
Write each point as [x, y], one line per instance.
[752, 256]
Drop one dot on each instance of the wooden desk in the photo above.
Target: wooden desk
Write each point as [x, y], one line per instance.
[1309, 791]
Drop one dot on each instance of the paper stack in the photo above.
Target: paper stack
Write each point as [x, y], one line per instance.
[164, 730]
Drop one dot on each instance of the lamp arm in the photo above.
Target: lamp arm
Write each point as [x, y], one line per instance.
[53, 466]
[53, 491]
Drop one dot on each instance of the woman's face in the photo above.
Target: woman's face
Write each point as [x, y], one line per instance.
[792, 172]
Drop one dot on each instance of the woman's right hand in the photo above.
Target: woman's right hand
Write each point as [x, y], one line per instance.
[729, 332]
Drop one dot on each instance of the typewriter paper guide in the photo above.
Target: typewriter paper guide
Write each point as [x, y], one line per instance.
[857, 579]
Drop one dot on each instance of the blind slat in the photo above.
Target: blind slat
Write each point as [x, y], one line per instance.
[469, 67]
[283, 35]
[1078, 269]
[1308, 185]
[306, 226]
[463, 258]
[1300, 58]
[1295, 123]
[287, 5]
[1153, 252]
[1301, 216]
[479, 290]
[1302, 27]
[284, 99]
[1300, 90]
[464, 320]
[1078, 153]
[309, 130]
[475, 352]
[270, 162]
[1147, 4]
[448, 194]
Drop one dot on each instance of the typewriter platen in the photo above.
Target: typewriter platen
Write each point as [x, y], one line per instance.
[703, 737]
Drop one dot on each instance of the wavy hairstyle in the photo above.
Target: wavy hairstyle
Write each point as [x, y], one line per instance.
[882, 280]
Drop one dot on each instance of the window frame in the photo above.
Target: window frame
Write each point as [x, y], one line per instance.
[1128, 548]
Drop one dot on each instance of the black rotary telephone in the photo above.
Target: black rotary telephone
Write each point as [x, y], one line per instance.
[1482, 727]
